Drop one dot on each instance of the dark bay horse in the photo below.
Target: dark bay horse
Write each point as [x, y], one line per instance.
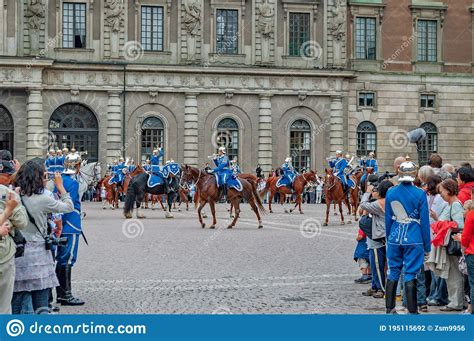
[208, 191]
[138, 188]
[334, 192]
[300, 182]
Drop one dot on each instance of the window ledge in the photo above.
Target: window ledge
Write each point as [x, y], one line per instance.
[425, 67]
[435, 5]
[367, 3]
[78, 50]
[156, 53]
[367, 64]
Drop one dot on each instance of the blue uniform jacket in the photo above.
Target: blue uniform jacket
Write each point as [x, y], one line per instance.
[72, 220]
[155, 159]
[370, 163]
[50, 164]
[416, 231]
[222, 164]
[338, 164]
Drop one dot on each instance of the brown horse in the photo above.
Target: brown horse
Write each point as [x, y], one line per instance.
[209, 193]
[113, 190]
[298, 187]
[334, 192]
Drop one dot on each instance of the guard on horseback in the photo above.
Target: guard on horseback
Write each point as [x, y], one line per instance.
[118, 172]
[367, 163]
[235, 167]
[50, 162]
[158, 176]
[289, 174]
[223, 172]
[339, 165]
[60, 157]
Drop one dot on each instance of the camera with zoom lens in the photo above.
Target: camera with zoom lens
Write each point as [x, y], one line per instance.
[52, 240]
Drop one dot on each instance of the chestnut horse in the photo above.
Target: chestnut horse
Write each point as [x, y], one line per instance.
[334, 193]
[298, 187]
[208, 191]
[114, 190]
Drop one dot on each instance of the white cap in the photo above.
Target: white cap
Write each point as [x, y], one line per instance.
[338, 151]
[222, 149]
[288, 159]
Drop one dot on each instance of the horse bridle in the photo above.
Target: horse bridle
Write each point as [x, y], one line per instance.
[93, 175]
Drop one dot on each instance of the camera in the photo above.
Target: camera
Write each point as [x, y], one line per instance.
[386, 175]
[52, 240]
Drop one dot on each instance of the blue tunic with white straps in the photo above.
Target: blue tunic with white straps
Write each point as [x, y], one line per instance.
[338, 165]
[155, 159]
[407, 227]
[288, 177]
[224, 174]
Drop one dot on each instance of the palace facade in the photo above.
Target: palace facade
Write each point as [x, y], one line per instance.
[265, 78]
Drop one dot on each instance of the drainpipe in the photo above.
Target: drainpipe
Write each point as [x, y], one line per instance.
[124, 92]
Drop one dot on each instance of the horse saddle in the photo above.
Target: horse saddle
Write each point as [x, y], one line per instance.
[114, 180]
[155, 180]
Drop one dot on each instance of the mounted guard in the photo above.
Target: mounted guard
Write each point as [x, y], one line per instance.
[234, 166]
[289, 174]
[158, 176]
[60, 157]
[339, 165]
[223, 172]
[370, 166]
[50, 163]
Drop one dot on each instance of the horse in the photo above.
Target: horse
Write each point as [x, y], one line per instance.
[138, 188]
[334, 192]
[208, 190]
[114, 190]
[298, 187]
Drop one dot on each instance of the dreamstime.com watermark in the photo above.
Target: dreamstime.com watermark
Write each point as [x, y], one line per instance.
[16, 328]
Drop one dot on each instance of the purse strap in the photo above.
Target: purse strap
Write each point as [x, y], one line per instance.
[32, 220]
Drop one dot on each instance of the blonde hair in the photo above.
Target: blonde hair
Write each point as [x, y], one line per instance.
[425, 172]
[469, 205]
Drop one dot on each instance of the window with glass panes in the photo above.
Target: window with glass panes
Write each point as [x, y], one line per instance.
[153, 136]
[227, 31]
[427, 41]
[429, 145]
[366, 138]
[6, 130]
[74, 25]
[365, 38]
[152, 28]
[300, 145]
[299, 32]
[366, 99]
[427, 101]
[228, 137]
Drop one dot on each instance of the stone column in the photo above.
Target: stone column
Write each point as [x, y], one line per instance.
[265, 143]
[37, 138]
[336, 133]
[114, 126]
[191, 153]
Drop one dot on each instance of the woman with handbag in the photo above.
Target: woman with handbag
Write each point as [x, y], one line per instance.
[454, 211]
[35, 271]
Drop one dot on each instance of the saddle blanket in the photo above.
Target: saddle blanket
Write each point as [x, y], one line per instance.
[115, 180]
[154, 180]
[284, 181]
[231, 182]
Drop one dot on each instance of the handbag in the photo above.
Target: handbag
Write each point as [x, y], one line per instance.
[365, 224]
[20, 243]
[454, 247]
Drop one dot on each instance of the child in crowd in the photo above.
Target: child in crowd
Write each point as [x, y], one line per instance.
[361, 256]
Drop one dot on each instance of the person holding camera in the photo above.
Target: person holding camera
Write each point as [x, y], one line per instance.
[67, 253]
[12, 217]
[35, 274]
[373, 202]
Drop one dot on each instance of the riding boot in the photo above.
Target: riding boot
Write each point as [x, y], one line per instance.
[391, 296]
[410, 292]
[68, 299]
[61, 275]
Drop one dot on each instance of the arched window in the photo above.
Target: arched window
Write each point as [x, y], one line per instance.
[429, 145]
[366, 138]
[153, 136]
[228, 136]
[300, 145]
[6, 129]
[74, 125]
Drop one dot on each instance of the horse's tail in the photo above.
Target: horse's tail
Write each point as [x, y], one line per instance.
[266, 189]
[130, 198]
[258, 200]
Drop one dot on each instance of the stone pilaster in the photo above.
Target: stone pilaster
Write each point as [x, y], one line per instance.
[265, 143]
[37, 138]
[114, 126]
[336, 132]
[191, 129]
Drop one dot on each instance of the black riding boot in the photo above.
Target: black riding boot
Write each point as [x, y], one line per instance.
[61, 275]
[68, 299]
[411, 294]
[391, 296]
